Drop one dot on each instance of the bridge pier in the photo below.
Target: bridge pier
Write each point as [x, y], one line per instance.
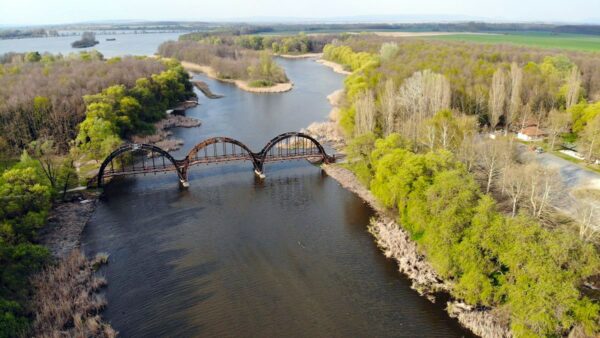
[260, 174]
[184, 184]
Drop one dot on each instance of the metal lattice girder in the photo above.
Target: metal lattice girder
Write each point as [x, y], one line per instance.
[287, 146]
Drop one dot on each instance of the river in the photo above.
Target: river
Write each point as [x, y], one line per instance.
[130, 44]
[236, 256]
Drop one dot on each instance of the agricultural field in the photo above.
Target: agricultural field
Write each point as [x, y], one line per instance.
[543, 40]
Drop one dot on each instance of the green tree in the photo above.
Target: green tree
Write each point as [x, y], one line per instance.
[25, 204]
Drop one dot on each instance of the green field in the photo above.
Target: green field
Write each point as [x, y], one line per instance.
[543, 40]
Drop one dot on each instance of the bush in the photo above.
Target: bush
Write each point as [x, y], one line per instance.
[261, 83]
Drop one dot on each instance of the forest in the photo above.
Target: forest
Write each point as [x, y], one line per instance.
[78, 108]
[54, 104]
[229, 62]
[417, 116]
[279, 44]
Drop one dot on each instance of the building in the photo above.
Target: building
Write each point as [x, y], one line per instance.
[531, 133]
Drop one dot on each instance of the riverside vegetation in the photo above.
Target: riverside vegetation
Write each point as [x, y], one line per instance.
[414, 117]
[243, 57]
[77, 107]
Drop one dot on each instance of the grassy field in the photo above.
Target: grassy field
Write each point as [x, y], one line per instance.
[590, 43]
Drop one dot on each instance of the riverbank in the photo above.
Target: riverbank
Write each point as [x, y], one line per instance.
[205, 89]
[162, 137]
[395, 242]
[67, 299]
[335, 66]
[300, 56]
[243, 85]
[329, 131]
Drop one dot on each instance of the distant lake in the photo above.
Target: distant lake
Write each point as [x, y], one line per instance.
[125, 44]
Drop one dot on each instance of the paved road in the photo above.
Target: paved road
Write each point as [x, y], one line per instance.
[573, 177]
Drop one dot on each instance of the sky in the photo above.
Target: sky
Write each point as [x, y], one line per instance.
[28, 12]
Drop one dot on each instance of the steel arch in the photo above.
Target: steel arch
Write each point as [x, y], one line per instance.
[192, 154]
[277, 139]
[134, 147]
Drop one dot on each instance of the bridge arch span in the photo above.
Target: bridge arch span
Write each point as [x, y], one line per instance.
[166, 163]
[290, 145]
[219, 149]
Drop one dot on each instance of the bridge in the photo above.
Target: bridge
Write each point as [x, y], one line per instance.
[136, 159]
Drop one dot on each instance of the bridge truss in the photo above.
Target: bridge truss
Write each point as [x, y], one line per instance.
[136, 159]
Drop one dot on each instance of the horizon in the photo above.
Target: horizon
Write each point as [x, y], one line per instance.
[66, 12]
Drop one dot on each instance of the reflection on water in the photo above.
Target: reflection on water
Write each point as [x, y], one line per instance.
[236, 256]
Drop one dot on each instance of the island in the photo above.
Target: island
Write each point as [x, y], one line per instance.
[88, 39]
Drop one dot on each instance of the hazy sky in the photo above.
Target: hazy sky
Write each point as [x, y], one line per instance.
[17, 12]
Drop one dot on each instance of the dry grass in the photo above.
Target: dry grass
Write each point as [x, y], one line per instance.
[66, 303]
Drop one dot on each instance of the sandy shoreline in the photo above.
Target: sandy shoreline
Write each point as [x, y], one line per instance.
[335, 66]
[243, 85]
[300, 56]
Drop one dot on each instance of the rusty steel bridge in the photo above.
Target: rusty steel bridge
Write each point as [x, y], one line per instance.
[141, 159]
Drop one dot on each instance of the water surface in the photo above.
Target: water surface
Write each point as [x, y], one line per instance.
[289, 255]
[125, 44]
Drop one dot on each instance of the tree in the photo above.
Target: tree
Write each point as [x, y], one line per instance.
[442, 131]
[33, 57]
[492, 157]
[543, 184]
[467, 151]
[558, 122]
[498, 97]
[46, 153]
[389, 107]
[365, 114]
[25, 204]
[420, 97]
[573, 88]
[516, 83]
[515, 184]
[588, 218]
[388, 50]
[590, 139]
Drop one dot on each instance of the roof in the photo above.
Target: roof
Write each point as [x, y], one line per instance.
[532, 131]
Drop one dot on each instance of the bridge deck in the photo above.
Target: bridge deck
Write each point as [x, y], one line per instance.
[205, 160]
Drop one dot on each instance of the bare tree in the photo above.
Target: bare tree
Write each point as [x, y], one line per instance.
[516, 83]
[514, 185]
[365, 113]
[542, 183]
[389, 107]
[573, 87]
[467, 151]
[588, 217]
[558, 122]
[420, 97]
[490, 156]
[498, 97]
[590, 138]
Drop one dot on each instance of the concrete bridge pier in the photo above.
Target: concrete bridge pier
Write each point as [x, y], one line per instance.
[184, 184]
[260, 174]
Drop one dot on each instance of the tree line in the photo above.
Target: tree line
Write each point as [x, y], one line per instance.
[228, 61]
[417, 116]
[278, 44]
[53, 104]
[506, 88]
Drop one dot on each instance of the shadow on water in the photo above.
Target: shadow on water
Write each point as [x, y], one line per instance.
[289, 255]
